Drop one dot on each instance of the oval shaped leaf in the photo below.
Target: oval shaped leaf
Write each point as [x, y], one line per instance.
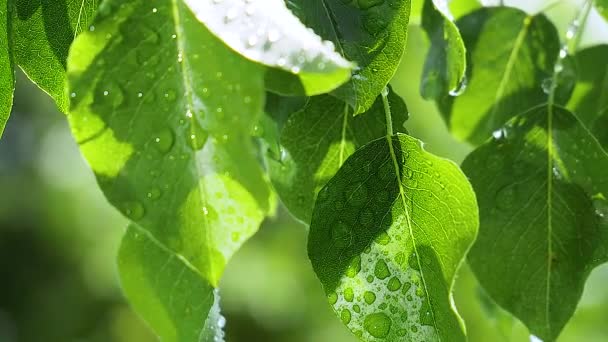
[542, 190]
[43, 33]
[371, 33]
[511, 54]
[268, 33]
[388, 233]
[163, 115]
[7, 73]
[317, 140]
[445, 65]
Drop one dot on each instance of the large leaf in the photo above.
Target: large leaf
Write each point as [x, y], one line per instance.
[43, 33]
[164, 289]
[542, 187]
[590, 95]
[388, 233]
[372, 33]
[445, 66]
[317, 140]
[510, 55]
[7, 75]
[163, 113]
[267, 32]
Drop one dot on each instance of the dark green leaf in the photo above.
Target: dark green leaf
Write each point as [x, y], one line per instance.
[7, 74]
[163, 112]
[510, 55]
[602, 7]
[542, 187]
[317, 140]
[268, 33]
[388, 233]
[590, 95]
[600, 129]
[43, 33]
[371, 33]
[164, 289]
[445, 66]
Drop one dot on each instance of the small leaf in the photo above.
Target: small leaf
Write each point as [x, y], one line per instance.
[371, 33]
[317, 140]
[542, 187]
[510, 55]
[7, 73]
[602, 7]
[590, 96]
[445, 66]
[163, 114]
[268, 33]
[388, 233]
[163, 288]
[43, 33]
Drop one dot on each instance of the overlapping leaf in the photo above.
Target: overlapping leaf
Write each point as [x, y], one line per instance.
[590, 96]
[542, 188]
[163, 113]
[510, 55]
[43, 33]
[445, 66]
[268, 33]
[7, 75]
[371, 33]
[388, 233]
[317, 140]
[169, 294]
[602, 7]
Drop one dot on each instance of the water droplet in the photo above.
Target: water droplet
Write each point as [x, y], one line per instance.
[377, 324]
[460, 88]
[164, 140]
[369, 297]
[349, 295]
[547, 85]
[370, 278]
[154, 194]
[356, 308]
[381, 270]
[134, 210]
[383, 239]
[345, 316]
[198, 136]
[354, 267]
[394, 284]
[332, 298]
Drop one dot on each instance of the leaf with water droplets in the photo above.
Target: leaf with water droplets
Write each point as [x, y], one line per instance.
[7, 74]
[266, 31]
[388, 234]
[165, 124]
[602, 7]
[317, 140]
[510, 54]
[590, 96]
[541, 186]
[42, 34]
[445, 66]
[371, 33]
[167, 292]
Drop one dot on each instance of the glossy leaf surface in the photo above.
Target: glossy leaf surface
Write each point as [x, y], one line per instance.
[388, 233]
[165, 125]
[590, 96]
[7, 75]
[542, 187]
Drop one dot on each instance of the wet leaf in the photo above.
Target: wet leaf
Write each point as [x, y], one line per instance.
[7, 74]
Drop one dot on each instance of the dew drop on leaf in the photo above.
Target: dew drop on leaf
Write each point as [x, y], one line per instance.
[381, 270]
[164, 140]
[377, 324]
[369, 297]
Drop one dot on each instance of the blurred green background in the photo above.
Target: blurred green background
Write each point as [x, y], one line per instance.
[59, 237]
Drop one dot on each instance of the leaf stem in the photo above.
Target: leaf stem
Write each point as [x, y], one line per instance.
[387, 112]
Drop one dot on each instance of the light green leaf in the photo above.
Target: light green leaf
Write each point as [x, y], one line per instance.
[602, 7]
[510, 55]
[445, 66]
[388, 233]
[541, 186]
[317, 140]
[7, 73]
[43, 33]
[590, 96]
[163, 114]
[371, 33]
[169, 294]
[268, 33]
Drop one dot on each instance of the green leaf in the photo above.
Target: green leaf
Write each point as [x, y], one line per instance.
[388, 233]
[590, 95]
[602, 7]
[163, 113]
[317, 140]
[541, 186]
[7, 74]
[43, 33]
[599, 129]
[268, 33]
[371, 33]
[511, 54]
[169, 294]
[445, 66]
